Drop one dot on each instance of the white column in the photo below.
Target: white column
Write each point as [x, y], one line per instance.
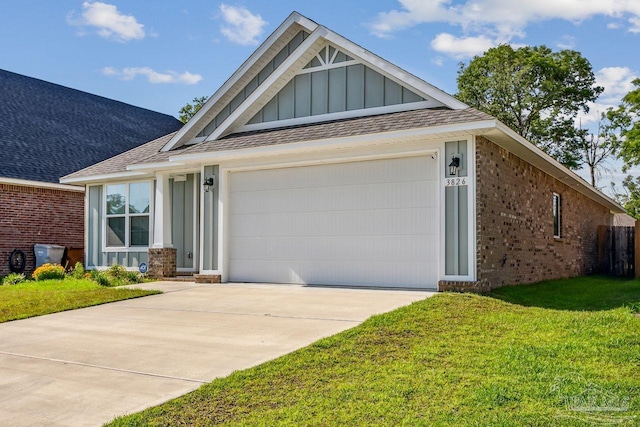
[162, 218]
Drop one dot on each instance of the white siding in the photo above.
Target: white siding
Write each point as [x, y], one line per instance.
[372, 223]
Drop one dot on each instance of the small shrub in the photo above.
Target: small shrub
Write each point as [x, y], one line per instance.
[49, 272]
[78, 271]
[118, 272]
[101, 278]
[134, 277]
[14, 279]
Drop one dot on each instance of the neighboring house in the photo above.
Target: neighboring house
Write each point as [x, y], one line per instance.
[48, 131]
[318, 162]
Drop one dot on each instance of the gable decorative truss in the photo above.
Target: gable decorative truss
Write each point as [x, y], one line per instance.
[298, 47]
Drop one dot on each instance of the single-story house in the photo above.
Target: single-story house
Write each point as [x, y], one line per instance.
[319, 162]
[48, 131]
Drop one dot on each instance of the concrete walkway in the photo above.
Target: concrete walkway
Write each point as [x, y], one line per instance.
[87, 366]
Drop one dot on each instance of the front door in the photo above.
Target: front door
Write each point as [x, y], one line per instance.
[184, 197]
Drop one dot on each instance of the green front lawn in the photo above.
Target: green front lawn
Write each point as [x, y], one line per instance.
[30, 299]
[450, 360]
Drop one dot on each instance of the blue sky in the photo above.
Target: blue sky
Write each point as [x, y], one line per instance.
[160, 54]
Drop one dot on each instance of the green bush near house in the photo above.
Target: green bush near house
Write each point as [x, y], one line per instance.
[49, 272]
[116, 275]
[78, 271]
[13, 279]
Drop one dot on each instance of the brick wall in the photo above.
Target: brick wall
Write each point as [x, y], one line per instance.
[162, 262]
[30, 215]
[515, 222]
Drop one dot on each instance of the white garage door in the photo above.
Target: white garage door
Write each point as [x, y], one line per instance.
[371, 223]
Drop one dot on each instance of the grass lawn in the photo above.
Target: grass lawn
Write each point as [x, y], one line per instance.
[30, 299]
[562, 353]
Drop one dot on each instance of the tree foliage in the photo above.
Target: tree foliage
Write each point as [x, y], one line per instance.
[626, 119]
[535, 91]
[629, 198]
[189, 110]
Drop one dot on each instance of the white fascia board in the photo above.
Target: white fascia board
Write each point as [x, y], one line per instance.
[39, 184]
[266, 85]
[103, 177]
[294, 18]
[401, 76]
[154, 166]
[329, 143]
[534, 155]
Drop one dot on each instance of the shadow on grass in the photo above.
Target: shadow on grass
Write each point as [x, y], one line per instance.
[588, 293]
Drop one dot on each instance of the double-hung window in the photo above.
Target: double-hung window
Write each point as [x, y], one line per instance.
[127, 208]
[557, 218]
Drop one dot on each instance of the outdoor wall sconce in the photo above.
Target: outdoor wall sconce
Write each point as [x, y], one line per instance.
[209, 182]
[454, 165]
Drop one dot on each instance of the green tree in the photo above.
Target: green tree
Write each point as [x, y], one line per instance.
[535, 91]
[626, 119]
[629, 198]
[189, 110]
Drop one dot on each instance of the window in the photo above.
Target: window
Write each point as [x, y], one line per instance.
[557, 219]
[127, 215]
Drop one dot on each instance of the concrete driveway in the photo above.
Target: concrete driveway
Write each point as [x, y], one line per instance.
[84, 367]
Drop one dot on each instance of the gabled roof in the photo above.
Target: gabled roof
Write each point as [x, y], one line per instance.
[149, 155]
[304, 52]
[48, 131]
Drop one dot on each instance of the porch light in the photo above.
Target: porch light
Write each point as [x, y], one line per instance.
[208, 183]
[454, 165]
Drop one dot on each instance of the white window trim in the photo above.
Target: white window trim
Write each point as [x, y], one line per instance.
[559, 208]
[127, 247]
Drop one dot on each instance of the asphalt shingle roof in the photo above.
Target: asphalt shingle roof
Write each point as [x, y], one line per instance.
[344, 128]
[150, 152]
[48, 131]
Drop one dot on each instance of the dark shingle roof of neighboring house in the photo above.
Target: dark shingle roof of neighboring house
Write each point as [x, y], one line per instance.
[415, 119]
[48, 131]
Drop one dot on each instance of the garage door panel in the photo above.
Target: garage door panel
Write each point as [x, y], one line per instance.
[404, 274]
[335, 175]
[356, 248]
[342, 223]
[364, 223]
[324, 198]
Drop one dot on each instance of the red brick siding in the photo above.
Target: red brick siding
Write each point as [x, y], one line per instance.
[515, 222]
[30, 215]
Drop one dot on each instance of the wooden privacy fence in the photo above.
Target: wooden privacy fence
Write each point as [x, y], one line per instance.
[616, 251]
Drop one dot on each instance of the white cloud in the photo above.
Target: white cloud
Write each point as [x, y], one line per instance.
[108, 22]
[130, 73]
[617, 82]
[461, 47]
[241, 26]
[502, 19]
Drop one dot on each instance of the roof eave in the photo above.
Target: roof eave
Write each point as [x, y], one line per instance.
[507, 138]
[476, 127]
[103, 177]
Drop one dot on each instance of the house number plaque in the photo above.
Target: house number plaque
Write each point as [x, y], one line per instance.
[455, 182]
